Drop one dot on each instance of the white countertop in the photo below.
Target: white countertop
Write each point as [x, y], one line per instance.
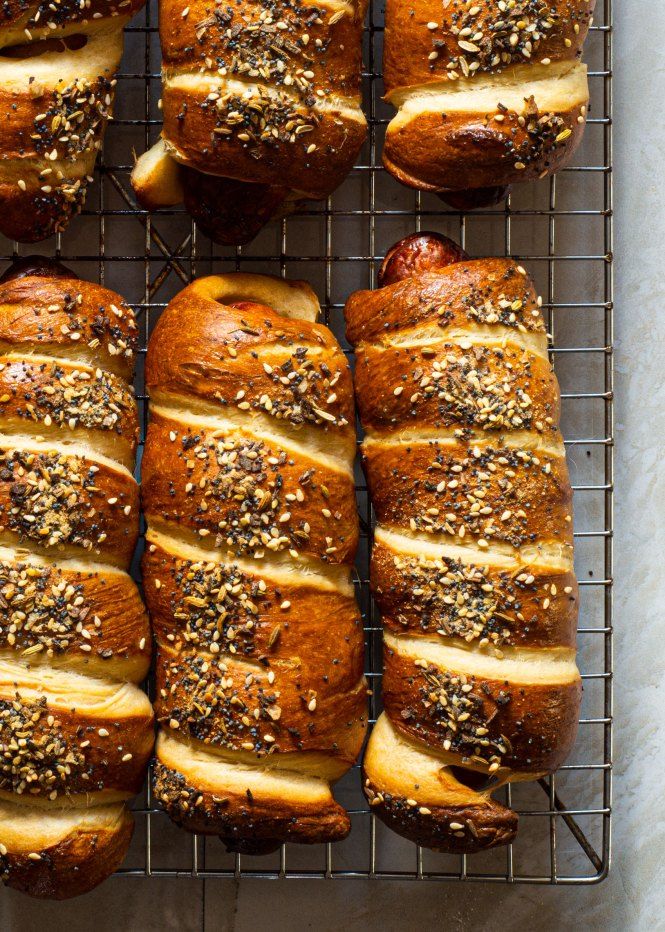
[633, 897]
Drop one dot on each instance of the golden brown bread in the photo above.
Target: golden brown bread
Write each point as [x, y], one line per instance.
[487, 94]
[57, 83]
[472, 557]
[249, 495]
[75, 730]
[262, 98]
[78, 850]
[233, 494]
[62, 317]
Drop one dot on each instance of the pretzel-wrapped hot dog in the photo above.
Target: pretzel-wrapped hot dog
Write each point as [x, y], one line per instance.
[261, 105]
[249, 495]
[472, 562]
[76, 731]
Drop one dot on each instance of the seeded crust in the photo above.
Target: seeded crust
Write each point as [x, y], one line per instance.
[76, 733]
[493, 492]
[264, 94]
[55, 394]
[331, 52]
[503, 605]
[458, 152]
[235, 492]
[467, 46]
[248, 491]
[67, 17]
[100, 754]
[528, 727]
[50, 200]
[195, 144]
[66, 316]
[220, 359]
[452, 829]
[437, 387]
[245, 823]
[409, 42]
[487, 291]
[58, 501]
[81, 860]
[472, 564]
[297, 711]
[55, 117]
[91, 620]
[203, 604]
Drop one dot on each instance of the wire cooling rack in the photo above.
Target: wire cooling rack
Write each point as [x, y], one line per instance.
[561, 229]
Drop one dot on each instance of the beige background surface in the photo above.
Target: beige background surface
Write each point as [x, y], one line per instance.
[633, 898]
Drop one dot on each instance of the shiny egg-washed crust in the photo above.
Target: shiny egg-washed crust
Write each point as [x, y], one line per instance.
[528, 727]
[106, 755]
[214, 360]
[200, 603]
[504, 603]
[493, 291]
[57, 84]
[39, 197]
[454, 810]
[472, 558]
[76, 862]
[263, 93]
[486, 826]
[432, 383]
[53, 393]
[408, 35]
[234, 487]
[252, 529]
[246, 824]
[518, 54]
[67, 318]
[305, 36]
[462, 489]
[74, 635]
[67, 17]
[304, 73]
[300, 710]
[450, 386]
[59, 501]
[194, 142]
[46, 390]
[86, 619]
[464, 151]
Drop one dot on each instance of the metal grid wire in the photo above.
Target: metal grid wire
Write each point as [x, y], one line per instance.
[561, 229]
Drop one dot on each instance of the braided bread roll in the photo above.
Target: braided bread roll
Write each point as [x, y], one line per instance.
[75, 731]
[472, 564]
[249, 496]
[57, 82]
[261, 103]
[488, 93]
